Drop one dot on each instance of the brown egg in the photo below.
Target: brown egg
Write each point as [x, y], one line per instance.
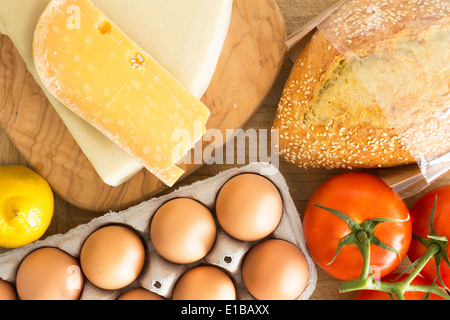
[275, 270]
[112, 257]
[7, 291]
[140, 294]
[49, 274]
[249, 207]
[204, 283]
[183, 230]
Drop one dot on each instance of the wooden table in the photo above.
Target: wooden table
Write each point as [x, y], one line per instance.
[301, 182]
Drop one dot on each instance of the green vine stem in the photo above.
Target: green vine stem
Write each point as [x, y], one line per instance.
[363, 237]
[397, 289]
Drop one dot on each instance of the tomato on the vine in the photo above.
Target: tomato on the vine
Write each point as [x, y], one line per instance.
[366, 200]
[409, 295]
[420, 216]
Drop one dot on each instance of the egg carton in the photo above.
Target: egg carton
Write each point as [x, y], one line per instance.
[160, 275]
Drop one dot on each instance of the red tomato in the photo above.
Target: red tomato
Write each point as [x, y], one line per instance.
[409, 295]
[362, 197]
[420, 214]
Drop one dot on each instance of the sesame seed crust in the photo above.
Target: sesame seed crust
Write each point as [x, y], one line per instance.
[338, 142]
[363, 26]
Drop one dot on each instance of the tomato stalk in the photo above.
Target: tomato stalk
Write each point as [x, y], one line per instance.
[362, 236]
[366, 282]
[434, 239]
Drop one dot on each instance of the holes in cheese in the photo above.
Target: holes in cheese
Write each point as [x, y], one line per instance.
[104, 77]
[104, 27]
[136, 60]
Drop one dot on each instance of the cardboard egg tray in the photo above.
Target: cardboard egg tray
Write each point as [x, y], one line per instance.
[159, 275]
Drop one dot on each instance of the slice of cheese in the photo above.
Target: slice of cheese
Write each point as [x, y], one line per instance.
[94, 69]
[185, 36]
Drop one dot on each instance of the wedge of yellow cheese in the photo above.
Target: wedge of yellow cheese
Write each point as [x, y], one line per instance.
[94, 69]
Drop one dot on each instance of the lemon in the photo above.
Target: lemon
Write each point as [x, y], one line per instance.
[26, 206]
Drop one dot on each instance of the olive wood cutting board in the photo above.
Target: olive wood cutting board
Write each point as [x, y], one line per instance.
[250, 62]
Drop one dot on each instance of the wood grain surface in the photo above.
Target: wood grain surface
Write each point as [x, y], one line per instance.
[302, 183]
[249, 65]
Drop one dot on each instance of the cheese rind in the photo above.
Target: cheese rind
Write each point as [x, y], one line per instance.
[94, 73]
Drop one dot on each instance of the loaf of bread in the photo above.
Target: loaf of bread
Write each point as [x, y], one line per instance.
[370, 88]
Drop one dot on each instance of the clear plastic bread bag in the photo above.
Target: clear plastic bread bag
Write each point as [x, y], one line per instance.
[400, 51]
